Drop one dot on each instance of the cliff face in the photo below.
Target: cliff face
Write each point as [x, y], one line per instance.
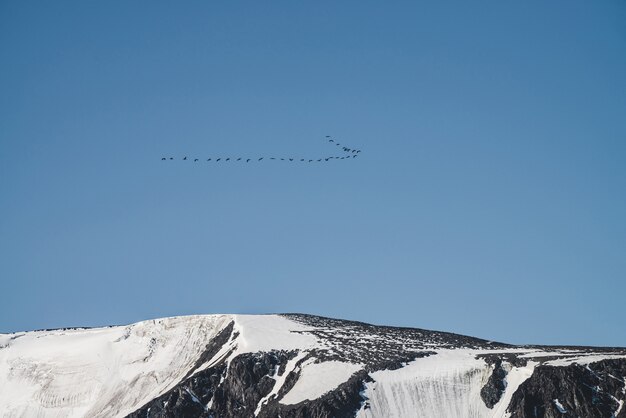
[298, 366]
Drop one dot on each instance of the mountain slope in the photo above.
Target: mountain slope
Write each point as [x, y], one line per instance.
[298, 366]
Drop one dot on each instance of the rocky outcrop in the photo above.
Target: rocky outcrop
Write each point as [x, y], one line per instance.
[594, 390]
[493, 390]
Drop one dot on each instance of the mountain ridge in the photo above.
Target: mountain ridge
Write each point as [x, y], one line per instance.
[299, 365]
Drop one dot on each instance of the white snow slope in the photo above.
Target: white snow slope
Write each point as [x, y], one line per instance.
[111, 372]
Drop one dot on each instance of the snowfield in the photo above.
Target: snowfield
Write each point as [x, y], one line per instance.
[100, 372]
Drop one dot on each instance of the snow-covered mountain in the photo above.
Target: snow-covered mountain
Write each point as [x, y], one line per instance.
[298, 366]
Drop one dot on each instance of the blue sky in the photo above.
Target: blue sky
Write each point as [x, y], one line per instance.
[488, 200]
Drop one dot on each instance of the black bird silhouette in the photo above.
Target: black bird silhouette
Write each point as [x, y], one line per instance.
[171, 158]
[326, 159]
[260, 158]
[208, 159]
[217, 159]
[302, 159]
[319, 160]
[330, 140]
[282, 159]
[185, 158]
[248, 160]
[327, 136]
[163, 159]
[291, 159]
[310, 160]
[238, 159]
[196, 160]
[228, 159]
[272, 158]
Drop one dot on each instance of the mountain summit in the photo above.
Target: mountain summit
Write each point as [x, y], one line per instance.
[295, 365]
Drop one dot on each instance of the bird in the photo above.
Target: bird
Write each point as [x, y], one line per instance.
[272, 158]
[248, 160]
[208, 159]
[282, 159]
[301, 159]
[319, 160]
[260, 158]
[228, 159]
[326, 159]
[195, 161]
[217, 159]
[327, 136]
[239, 159]
[171, 158]
[291, 159]
[163, 159]
[185, 158]
[310, 160]
[354, 156]
[330, 140]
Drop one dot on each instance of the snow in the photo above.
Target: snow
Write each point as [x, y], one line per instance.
[318, 378]
[559, 406]
[583, 360]
[271, 332]
[446, 384]
[87, 372]
[280, 380]
[514, 378]
[620, 402]
[194, 398]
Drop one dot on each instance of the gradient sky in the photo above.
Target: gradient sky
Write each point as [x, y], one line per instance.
[489, 200]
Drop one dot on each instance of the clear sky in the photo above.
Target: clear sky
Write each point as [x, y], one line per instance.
[489, 199]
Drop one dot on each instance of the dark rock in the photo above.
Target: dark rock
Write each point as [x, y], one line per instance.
[494, 388]
[582, 391]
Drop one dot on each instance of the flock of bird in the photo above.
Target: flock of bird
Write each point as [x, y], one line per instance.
[349, 153]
